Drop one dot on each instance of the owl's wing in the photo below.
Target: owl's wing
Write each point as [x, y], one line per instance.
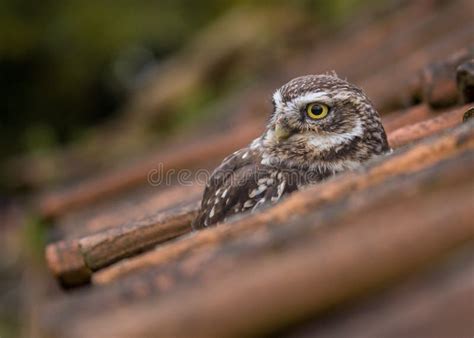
[227, 188]
[239, 184]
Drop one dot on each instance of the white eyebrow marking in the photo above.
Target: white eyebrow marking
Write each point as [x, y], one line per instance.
[301, 101]
[277, 99]
[311, 97]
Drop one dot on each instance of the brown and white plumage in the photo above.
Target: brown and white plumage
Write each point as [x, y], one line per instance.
[321, 125]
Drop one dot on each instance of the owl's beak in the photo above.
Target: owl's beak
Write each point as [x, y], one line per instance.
[281, 132]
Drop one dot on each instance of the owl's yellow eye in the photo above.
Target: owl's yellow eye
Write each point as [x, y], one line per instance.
[317, 111]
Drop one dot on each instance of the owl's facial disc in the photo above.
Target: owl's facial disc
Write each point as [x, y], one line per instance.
[285, 126]
[297, 118]
[321, 118]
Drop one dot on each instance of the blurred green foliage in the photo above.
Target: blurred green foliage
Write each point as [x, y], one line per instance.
[58, 60]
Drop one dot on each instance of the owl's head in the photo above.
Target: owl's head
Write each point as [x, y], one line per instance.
[323, 119]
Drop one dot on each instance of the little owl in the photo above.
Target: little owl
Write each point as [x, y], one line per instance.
[320, 125]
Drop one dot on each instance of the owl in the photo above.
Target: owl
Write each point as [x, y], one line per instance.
[321, 125]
